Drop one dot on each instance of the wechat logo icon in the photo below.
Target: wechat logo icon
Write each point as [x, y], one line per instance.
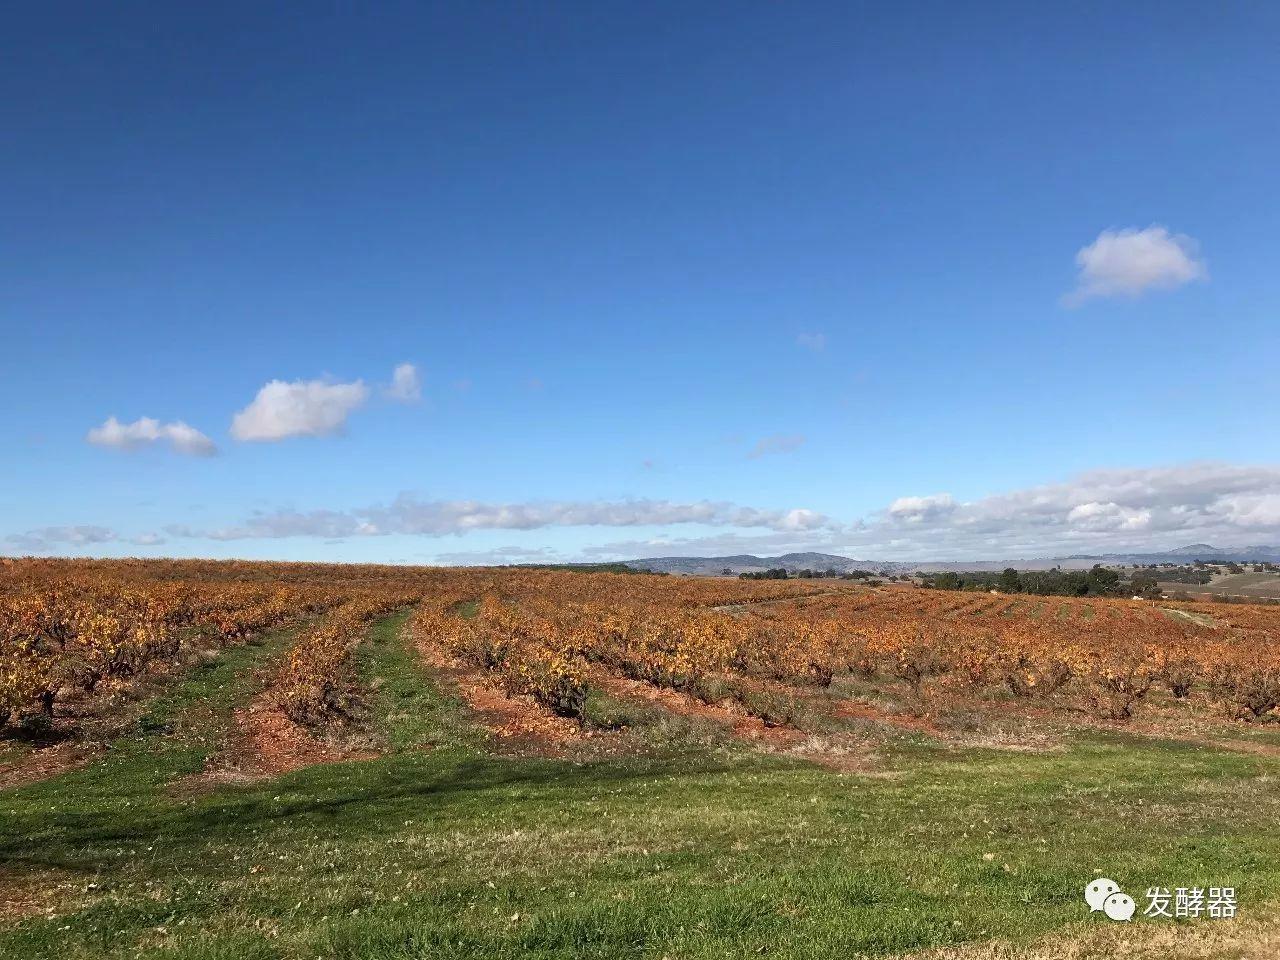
[1106, 895]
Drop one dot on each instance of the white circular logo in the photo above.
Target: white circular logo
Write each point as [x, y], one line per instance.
[1096, 893]
[1119, 906]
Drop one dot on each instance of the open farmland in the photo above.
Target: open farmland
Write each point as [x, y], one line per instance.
[1242, 586]
[290, 760]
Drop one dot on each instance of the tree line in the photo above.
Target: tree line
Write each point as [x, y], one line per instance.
[1098, 581]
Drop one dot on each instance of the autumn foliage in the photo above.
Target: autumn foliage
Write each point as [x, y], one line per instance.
[544, 633]
[68, 626]
[316, 682]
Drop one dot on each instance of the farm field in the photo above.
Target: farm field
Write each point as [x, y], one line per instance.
[208, 760]
[1265, 585]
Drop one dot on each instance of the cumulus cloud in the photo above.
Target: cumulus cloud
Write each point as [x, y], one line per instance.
[1127, 263]
[331, 524]
[303, 408]
[718, 544]
[406, 384]
[778, 443]
[1253, 510]
[145, 431]
[1103, 511]
[922, 509]
[436, 518]
[48, 538]
[75, 539]
[817, 342]
[499, 556]
[1107, 516]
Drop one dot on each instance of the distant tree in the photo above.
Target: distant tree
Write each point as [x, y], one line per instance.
[1145, 585]
[1102, 580]
[1009, 581]
[947, 580]
[775, 573]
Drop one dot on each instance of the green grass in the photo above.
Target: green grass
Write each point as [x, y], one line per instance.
[436, 849]
[407, 712]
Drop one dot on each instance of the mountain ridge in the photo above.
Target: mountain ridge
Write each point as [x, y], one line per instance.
[734, 564]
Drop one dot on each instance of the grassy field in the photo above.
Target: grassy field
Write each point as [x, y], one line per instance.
[1265, 586]
[682, 846]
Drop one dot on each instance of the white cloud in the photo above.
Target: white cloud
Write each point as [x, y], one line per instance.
[331, 524]
[799, 520]
[145, 431]
[920, 509]
[1135, 510]
[817, 342]
[45, 539]
[1252, 510]
[437, 518]
[75, 539]
[1127, 263]
[1107, 516]
[406, 384]
[778, 443]
[303, 408]
[499, 556]
[1101, 511]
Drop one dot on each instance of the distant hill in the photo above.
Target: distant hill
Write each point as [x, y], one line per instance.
[746, 563]
[792, 562]
[1195, 551]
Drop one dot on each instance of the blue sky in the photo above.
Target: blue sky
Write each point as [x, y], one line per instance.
[901, 280]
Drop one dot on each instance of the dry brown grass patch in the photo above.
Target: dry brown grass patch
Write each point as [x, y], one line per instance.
[1239, 939]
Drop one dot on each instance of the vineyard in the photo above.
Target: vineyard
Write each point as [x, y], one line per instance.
[546, 636]
[66, 628]
[514, 762]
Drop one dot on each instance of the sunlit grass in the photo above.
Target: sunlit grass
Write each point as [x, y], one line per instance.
[436, 849]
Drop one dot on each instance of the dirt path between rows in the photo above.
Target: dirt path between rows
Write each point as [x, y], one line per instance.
[85, 725]
[733, 718]
[517, 724]
[1199, 619]
[839, 752]
[862, 710]
[752, 604]
[264, 743]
